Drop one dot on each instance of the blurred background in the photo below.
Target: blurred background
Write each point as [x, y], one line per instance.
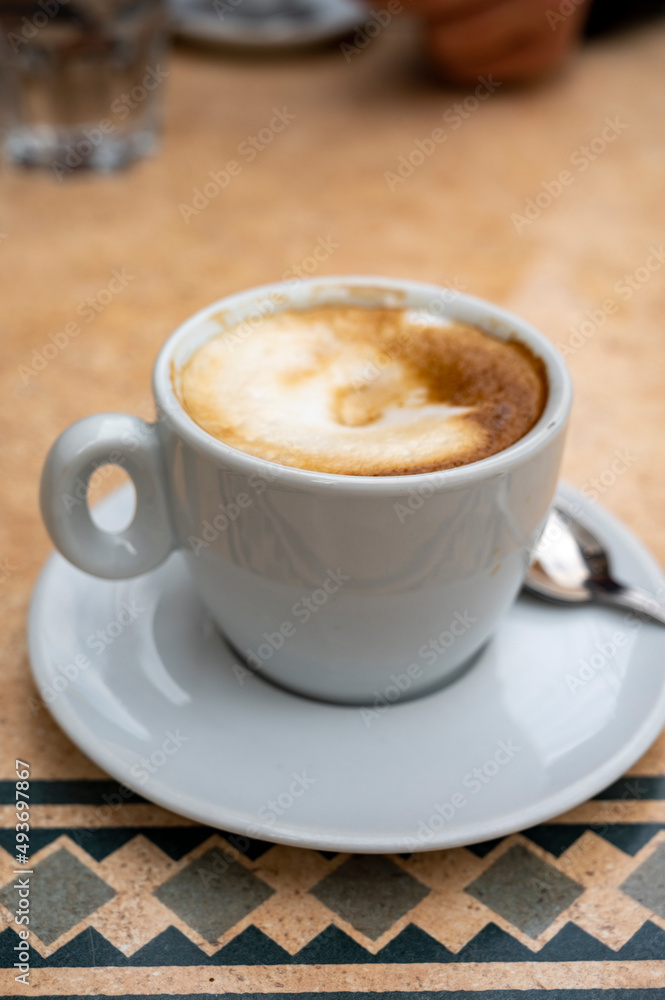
[158, 157]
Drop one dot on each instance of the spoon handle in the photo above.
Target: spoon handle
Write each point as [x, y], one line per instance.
[632, 597]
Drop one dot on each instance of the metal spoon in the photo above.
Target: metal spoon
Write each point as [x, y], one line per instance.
[571, 566]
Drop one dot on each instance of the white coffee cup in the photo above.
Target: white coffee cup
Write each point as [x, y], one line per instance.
[346, 588]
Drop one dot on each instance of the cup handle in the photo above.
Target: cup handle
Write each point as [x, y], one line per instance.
[107, 439]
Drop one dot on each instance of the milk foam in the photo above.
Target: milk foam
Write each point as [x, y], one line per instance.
[359, 391]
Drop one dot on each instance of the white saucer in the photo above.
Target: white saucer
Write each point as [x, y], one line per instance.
[340, 779]
[263, 24]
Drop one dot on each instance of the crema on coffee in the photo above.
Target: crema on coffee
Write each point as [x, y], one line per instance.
[363, 391]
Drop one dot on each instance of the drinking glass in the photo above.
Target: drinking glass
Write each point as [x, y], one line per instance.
[81, 81]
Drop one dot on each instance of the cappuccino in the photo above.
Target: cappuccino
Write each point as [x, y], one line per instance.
[364, 391]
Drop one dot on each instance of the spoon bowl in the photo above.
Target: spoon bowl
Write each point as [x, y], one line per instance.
[571, 566]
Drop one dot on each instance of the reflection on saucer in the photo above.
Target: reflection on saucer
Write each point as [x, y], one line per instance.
[546, 717]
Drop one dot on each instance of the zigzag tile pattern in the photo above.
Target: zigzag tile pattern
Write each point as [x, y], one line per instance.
[555, 893]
